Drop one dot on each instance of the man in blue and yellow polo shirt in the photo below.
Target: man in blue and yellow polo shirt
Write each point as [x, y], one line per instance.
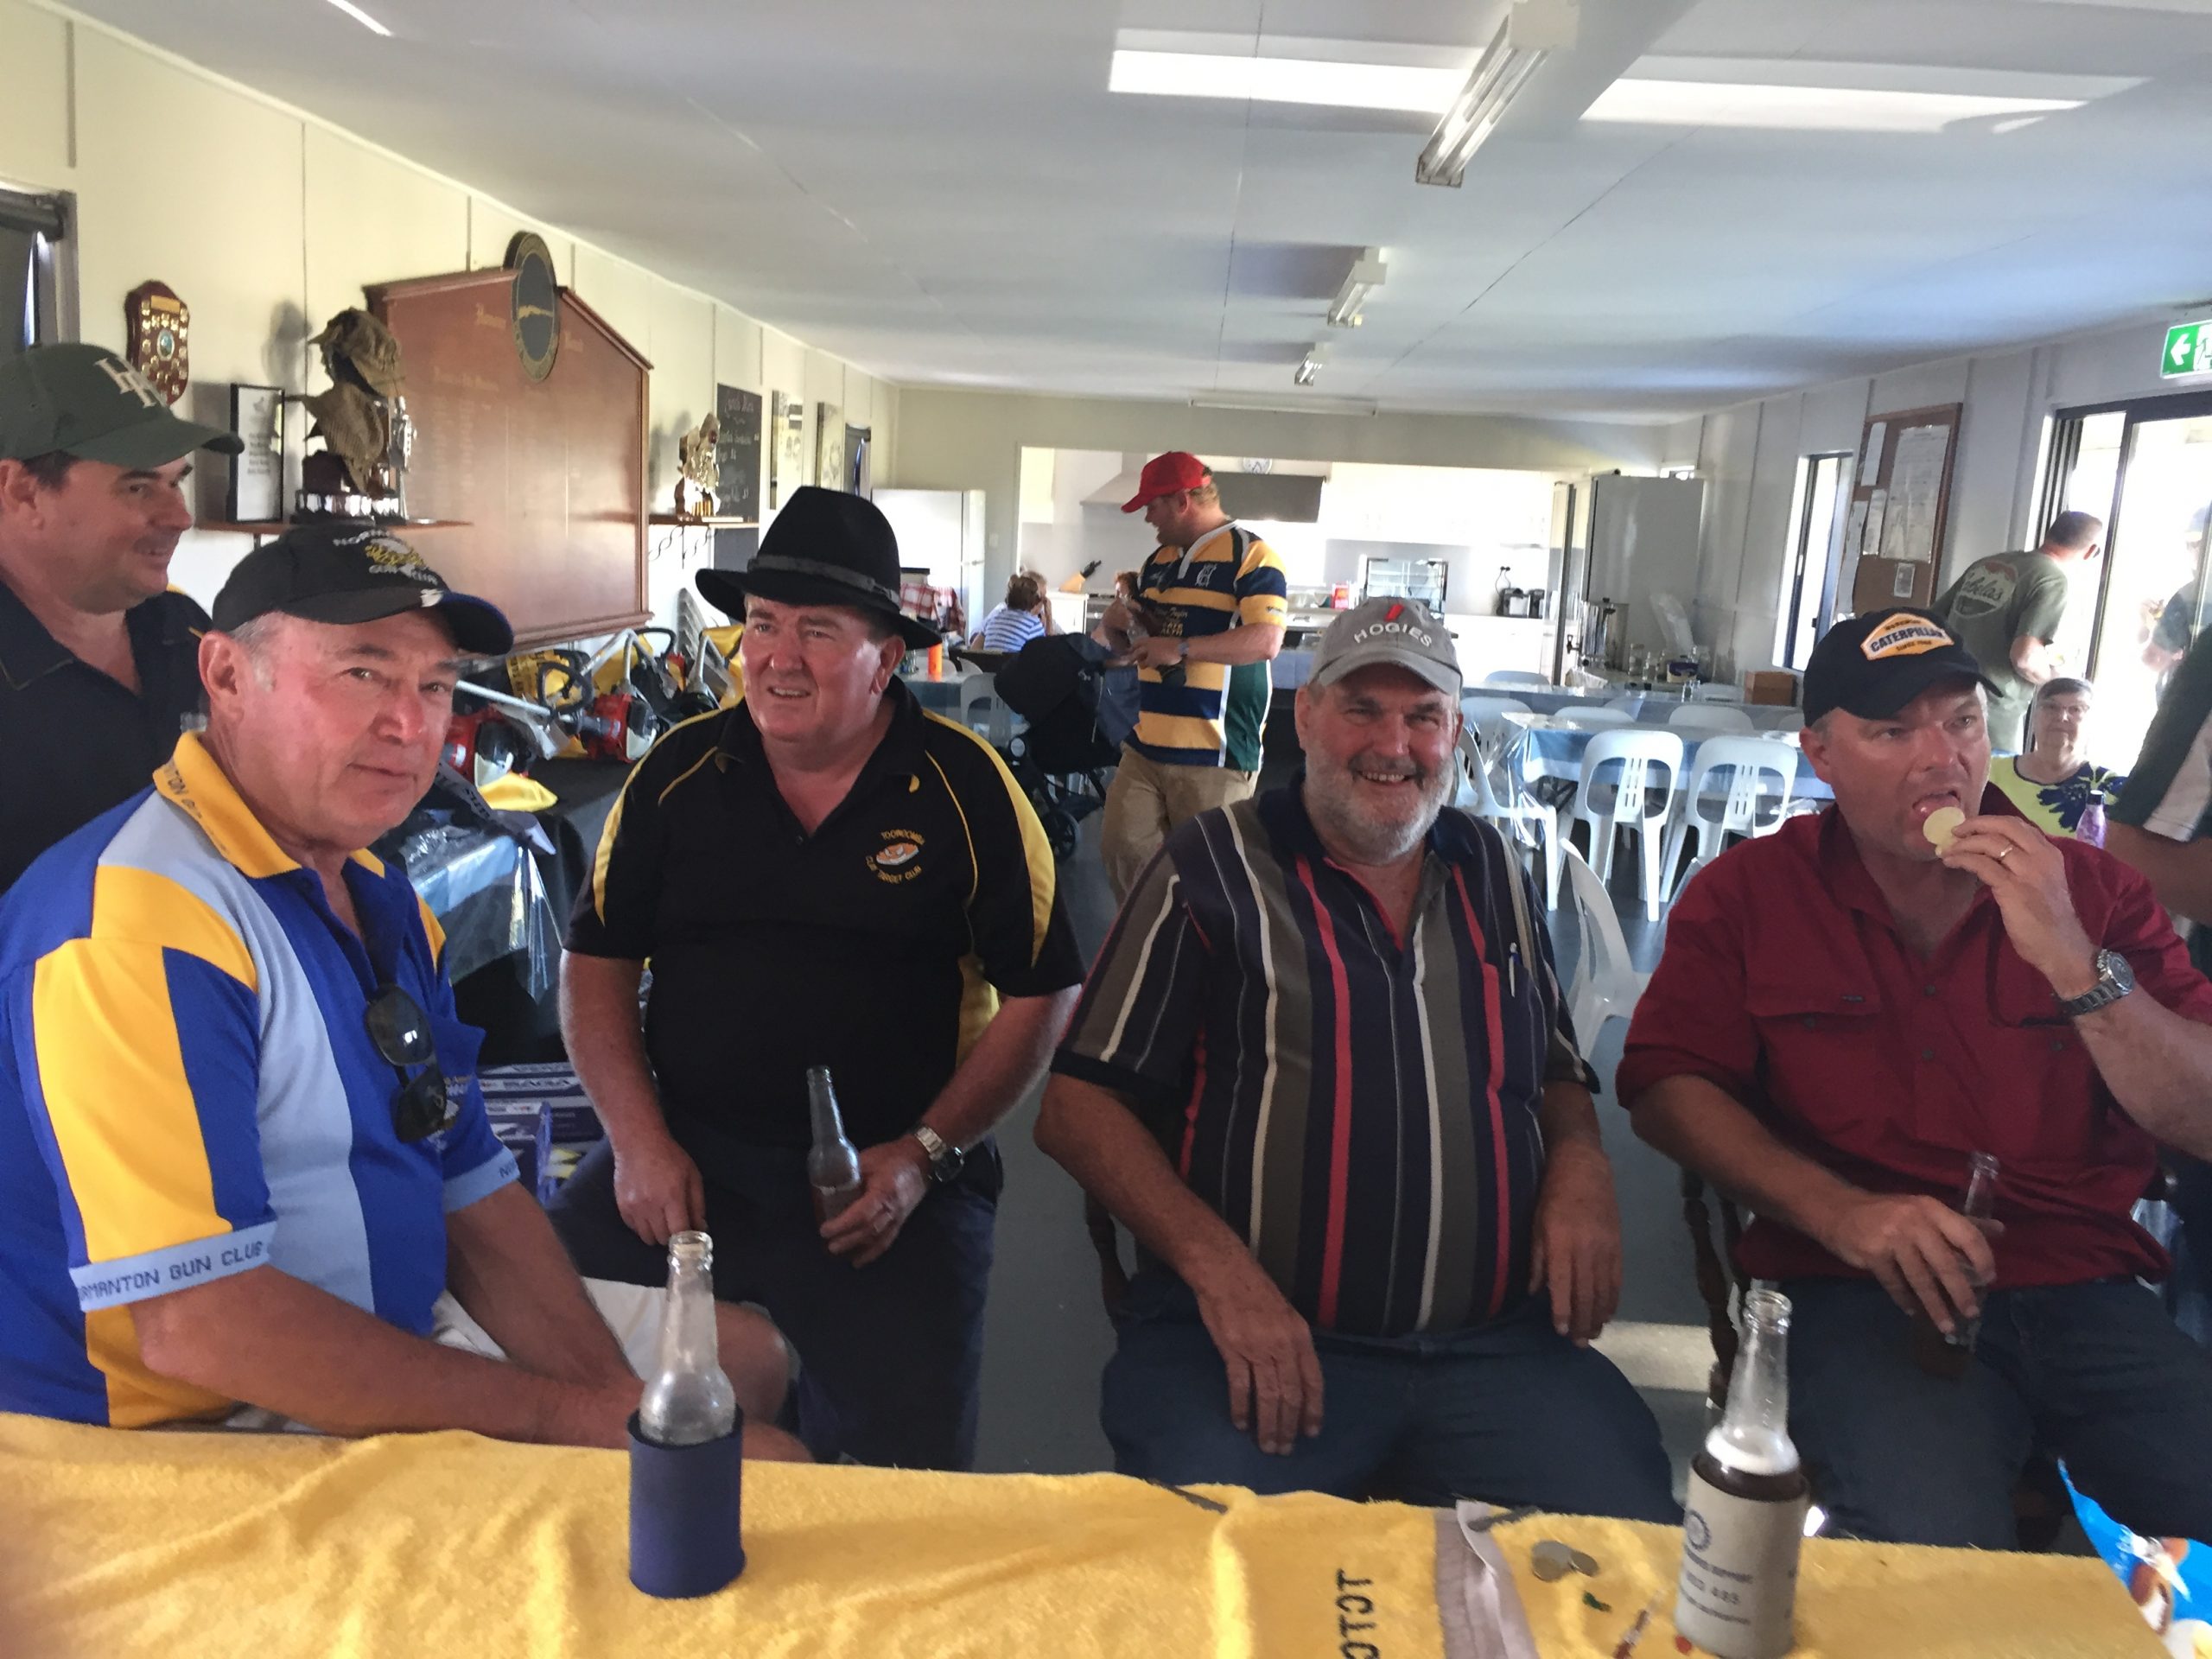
[1207, 620]
[245, 1173]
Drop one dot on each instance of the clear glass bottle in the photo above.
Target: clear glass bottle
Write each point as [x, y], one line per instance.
[688, 1399]
[833, 1166]
[1745, 1512]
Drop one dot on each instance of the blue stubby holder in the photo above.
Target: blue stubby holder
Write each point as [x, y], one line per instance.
[685, 1510]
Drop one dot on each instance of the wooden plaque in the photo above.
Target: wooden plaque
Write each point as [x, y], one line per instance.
[546, 477]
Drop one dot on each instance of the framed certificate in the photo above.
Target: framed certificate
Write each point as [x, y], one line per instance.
[256, 492]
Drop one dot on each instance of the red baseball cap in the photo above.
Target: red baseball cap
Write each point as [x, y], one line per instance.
[1164, 475]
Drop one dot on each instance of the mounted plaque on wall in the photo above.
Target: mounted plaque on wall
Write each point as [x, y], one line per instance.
[534, 309]
[787, 447]
[256, 494]
[739, 452]
[547, 476]
[830, 446]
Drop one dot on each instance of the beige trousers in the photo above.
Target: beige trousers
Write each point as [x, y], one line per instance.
[1146, 799]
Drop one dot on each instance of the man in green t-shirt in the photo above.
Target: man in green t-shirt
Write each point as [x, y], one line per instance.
[2006, 609]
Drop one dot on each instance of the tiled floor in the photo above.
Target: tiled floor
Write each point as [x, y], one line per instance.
[1048, 1335]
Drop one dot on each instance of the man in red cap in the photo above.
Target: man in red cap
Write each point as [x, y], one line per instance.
[1207, 620]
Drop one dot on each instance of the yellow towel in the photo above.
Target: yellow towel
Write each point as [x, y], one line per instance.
[1854, 1601]
[444, 1546]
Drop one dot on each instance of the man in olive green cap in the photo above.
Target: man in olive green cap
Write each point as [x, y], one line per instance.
[98, 660]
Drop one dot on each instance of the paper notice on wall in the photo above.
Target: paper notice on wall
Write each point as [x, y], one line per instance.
[1869, 467]
[1877, 505]
[1854, 529]
[1902, 587]
[1915, 492]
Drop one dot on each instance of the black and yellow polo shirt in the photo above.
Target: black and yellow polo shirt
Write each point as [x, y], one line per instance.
[877, 946]
[73, 741]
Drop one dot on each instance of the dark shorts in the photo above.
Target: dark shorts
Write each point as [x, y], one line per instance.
[890, 1353]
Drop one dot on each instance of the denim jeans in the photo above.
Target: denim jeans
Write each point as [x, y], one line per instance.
[1511, 1412]
[2097, 1373]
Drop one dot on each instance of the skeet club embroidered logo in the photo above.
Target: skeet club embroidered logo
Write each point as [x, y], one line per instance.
[896, 860]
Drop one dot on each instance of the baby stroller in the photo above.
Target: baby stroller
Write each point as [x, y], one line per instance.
[1059, 684]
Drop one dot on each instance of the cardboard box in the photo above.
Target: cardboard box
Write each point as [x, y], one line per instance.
[1772, 686]
[553, 1083]
[526, 1128]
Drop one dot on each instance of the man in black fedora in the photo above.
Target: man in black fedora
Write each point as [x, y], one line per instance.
[825, 875]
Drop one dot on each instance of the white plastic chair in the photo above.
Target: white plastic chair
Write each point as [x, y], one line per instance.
[1510, 820]
[1683, 880]
[982, 711]
[1519, 677]
[1793, 720]
[1605, 981]
[1633, 800]
[1486, 716]
[1710, 717]
[1761, 774]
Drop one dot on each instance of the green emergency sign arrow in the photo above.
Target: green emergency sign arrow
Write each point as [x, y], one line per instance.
[2188, 350]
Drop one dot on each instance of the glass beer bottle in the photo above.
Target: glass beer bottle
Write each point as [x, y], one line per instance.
[687, 1400]
[1937, 1354]
[1745, 1512]
[833, 1167]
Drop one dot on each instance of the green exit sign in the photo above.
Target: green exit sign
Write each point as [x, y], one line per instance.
[2188, 350]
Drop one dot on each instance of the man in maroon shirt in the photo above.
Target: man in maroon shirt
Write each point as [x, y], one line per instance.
[1843, 1016]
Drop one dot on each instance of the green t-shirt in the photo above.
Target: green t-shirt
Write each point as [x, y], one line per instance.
[1995, 601]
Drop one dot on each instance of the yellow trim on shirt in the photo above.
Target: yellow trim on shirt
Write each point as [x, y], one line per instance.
[144, 907]
[192, 780]
[1036, 851]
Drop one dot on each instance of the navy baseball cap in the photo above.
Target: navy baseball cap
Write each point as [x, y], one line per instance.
[349, 570]
[1874, 665]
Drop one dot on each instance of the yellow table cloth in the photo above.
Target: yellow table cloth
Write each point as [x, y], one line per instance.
[261, 1547]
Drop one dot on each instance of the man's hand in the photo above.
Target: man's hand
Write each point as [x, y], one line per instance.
[657, 1187]
[2026, 873]
[894, 1178]
[1157, 651]
[1576, 1252]
[1275, 1376]
[1930, 1258]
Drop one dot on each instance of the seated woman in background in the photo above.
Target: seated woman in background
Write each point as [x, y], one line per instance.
[2052, 784]
[1021, 618]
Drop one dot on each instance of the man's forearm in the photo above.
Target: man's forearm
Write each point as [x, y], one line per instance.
[2158, 1065]
[1703, 1127]
[1567, 1116]
[1092, 1133]
[2033, 659]
[505, 1266]
[2179, 872]
[606, 1043]
[1007, 1059]
[277, 1342]
[1253, 642]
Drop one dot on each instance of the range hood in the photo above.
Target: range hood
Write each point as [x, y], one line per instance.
[1273, 497]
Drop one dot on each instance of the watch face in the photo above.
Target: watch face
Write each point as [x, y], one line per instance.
[2122, 971]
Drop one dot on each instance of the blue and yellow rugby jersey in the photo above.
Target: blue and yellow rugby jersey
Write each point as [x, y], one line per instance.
[1212, 716]
[187, 1090]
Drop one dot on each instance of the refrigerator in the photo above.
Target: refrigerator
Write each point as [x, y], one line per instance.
[1644, 538]
[941, 531]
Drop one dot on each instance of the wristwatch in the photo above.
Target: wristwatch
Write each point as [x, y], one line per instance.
[2115, 979]
[946, 1159]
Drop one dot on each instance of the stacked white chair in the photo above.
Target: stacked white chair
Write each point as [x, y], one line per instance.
[1710, 717]
[1486, 717]
[1605, 981]
[1519, 821]
[1519, 677]
[1753, 799]
[1637, 799]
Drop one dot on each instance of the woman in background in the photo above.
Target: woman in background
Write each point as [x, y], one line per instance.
[1022, 617]
[2052, 784]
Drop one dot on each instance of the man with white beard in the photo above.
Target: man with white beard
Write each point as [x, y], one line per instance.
[1323, 1072]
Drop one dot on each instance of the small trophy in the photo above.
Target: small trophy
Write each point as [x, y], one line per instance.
[697, 467]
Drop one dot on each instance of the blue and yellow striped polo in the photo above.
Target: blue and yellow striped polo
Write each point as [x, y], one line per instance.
[187, 1090]
[1209, 714]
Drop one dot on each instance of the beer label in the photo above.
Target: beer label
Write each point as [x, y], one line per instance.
[1739, 1572]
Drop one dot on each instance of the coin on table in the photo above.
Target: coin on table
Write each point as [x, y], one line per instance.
[1551, 1560]
[1584, 1563]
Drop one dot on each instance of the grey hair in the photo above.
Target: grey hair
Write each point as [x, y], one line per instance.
[255, 636]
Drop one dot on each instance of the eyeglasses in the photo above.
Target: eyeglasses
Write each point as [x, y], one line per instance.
[401, 1032]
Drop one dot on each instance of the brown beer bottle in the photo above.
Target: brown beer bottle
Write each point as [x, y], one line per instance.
[1745, 1515]
[833, 1167]
[1937, 1354]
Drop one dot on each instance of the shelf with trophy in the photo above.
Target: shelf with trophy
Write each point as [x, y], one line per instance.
[368, 439]
[698, 479]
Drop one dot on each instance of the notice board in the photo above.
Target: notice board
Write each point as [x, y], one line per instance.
[1900, 506]
[546, 478]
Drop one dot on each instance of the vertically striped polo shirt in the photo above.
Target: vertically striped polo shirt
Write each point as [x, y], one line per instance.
[187, 1092]
[1362, 1109]
[1209, 714]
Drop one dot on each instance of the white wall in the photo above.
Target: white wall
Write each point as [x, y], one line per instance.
[1748, 455]
[973, 440]
[265, 220]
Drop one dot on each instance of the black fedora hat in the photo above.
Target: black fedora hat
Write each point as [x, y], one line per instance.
[825, 548]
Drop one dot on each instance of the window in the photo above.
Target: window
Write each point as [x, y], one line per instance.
[1808, 581]
[32, 231]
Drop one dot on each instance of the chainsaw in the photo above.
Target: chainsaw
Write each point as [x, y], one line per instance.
[614, 725]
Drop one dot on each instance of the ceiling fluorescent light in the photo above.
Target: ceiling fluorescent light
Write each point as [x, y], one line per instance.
[1533, 29]
[1280, 80]
[1808, 109]
[1309, 366]
[1368, 273]
[361, 17]
[1229, 404]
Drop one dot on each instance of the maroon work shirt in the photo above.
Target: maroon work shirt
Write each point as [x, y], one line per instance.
[1786, 983]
